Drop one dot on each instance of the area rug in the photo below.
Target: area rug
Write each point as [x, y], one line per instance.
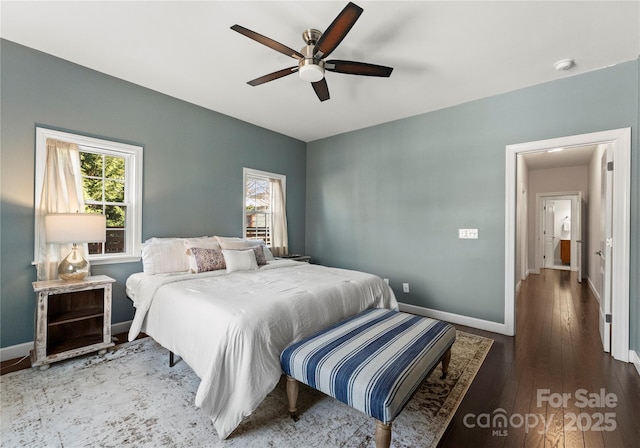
[131, 397]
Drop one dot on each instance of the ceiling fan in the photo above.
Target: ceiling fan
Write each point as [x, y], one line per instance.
[312, 61]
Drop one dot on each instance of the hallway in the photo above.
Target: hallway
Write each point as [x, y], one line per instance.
[553, 373]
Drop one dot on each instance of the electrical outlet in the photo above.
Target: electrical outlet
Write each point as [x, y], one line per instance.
[405, 287]
[468, 234]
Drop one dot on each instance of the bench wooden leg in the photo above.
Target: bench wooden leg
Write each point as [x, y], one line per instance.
[383, 435]
[446, 358]
[292, 396]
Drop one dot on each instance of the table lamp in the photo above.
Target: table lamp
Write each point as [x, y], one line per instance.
[75, 228]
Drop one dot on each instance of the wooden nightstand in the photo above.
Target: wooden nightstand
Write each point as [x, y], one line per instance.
[72, 319]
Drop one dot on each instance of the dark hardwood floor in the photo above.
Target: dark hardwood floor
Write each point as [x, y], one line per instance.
[556, 350]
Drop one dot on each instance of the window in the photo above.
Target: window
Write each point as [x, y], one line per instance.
[110, 177]
[259, 206]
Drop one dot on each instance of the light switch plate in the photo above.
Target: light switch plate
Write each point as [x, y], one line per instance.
[468, 234]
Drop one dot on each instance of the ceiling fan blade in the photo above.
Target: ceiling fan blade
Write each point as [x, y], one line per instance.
[358, 68]
[264, 40]
[322, 89]
[272, 76]
[338, 29]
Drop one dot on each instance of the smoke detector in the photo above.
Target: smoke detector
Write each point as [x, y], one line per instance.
[564, 64]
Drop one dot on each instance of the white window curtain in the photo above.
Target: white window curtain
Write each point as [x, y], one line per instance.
[279, 237]
[61, 193]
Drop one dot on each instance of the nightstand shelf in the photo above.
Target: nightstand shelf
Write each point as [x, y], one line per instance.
[75, 316]
[72, 319]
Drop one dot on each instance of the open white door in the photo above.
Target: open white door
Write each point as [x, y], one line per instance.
[548, 234]
[605, 250]
[579, 235]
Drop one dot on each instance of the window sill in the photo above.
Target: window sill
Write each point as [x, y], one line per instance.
[114, 260]
[109, 260]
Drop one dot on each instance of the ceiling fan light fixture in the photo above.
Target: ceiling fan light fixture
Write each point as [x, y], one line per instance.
[311, 58]
[308, 71]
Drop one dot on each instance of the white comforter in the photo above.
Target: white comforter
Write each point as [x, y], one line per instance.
[231, 328]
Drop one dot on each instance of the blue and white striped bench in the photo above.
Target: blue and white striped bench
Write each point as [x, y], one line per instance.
[373, 362]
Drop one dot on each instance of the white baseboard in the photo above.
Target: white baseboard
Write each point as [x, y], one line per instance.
[634, 358]
[20, 350]
[593, 289]
[122, 327]
[15, 351]
[472, 322]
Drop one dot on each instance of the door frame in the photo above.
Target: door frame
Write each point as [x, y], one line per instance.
[576, 225]
[621, 142]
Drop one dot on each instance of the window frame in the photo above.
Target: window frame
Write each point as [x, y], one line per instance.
[250, 172]
[133, 188]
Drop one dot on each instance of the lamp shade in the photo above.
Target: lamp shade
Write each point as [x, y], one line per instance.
[75, 228]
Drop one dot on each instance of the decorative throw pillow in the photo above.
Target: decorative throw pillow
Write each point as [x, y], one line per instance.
[204, 260]
[240, 260]
[260, 256]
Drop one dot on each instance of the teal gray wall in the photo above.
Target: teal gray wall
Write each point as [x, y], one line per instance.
[387, 199]
[193, 160]
[390, 199]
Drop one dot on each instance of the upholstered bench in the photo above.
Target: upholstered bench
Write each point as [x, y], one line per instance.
[373, 362]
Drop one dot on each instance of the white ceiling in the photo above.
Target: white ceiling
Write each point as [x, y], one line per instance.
[571, 156]
[443, 53]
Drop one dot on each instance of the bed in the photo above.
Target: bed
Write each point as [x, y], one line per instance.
[231, 325]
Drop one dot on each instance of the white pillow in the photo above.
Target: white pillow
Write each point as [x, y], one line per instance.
[267, 253]
[155, 239]
[240, 260]
[197, 242]
[165, 256]
[233, 243]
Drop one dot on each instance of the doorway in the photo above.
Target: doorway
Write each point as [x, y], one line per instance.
[556, 232]
[620, 141]
[559, 232]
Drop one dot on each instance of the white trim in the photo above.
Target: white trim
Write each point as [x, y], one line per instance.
[133, 154]
[121, 327]
[20, 350]
[510, 242]
[467, 321]
[15, 351]
[634, 357]
[576, 228]
[593, 290]
[621, 141]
